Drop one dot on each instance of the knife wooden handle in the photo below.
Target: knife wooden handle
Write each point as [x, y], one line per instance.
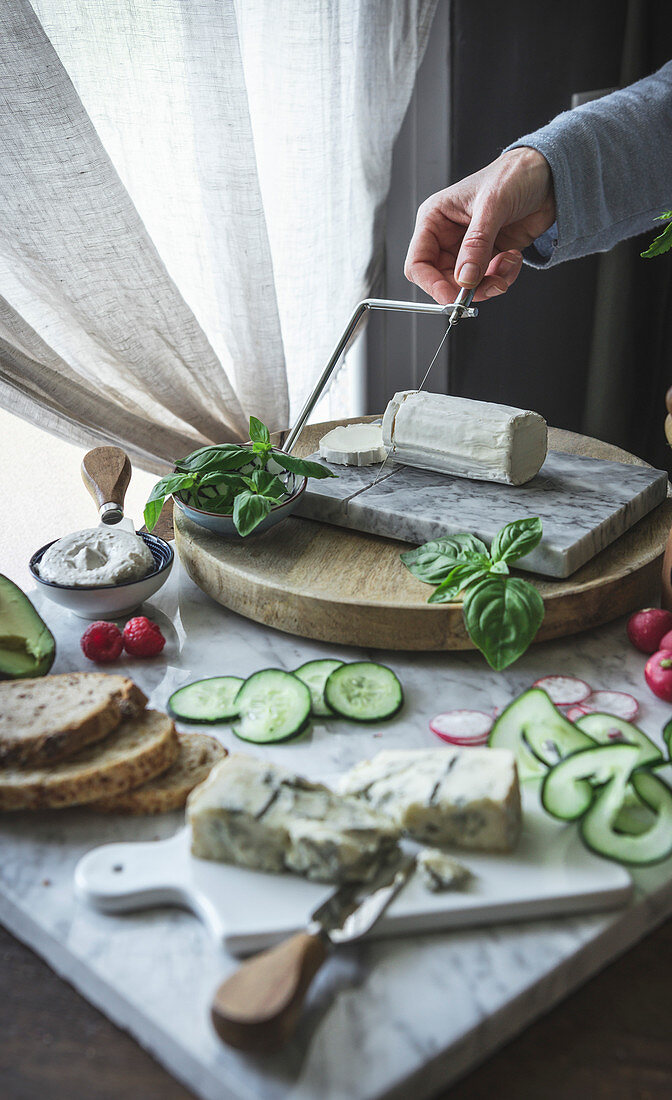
[106, 472]
[257, 1008]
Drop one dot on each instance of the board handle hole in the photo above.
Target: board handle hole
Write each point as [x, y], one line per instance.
[118, 867]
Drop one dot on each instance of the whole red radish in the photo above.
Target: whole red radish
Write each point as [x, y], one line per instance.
[647, 627]
[658, 674]
[666, 641]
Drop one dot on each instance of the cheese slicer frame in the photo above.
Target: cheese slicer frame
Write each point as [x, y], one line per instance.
[458, 309]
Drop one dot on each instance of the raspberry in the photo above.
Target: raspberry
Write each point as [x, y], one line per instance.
[142, 637]
[102, 641]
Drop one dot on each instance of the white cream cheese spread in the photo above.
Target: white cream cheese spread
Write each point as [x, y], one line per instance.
[473, 439]
[95, 557]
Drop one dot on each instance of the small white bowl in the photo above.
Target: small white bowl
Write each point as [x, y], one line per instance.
[109, 601]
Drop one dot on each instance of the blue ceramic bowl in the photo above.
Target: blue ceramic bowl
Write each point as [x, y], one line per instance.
[220, 523]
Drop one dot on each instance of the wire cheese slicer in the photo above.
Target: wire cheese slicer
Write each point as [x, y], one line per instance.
[460, 308]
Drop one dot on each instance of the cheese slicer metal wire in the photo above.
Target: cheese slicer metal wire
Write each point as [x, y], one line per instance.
[455, 312]
[459, 307]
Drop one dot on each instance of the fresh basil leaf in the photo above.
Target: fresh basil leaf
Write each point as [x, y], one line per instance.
[259, 433]
[277, 489]
[662, 243]
[172, 483]
[502, 615]
[222, 504]
[268, 484]
[225, 461]
[456, 581]
[302, 466]
[465, 571]
[445, 593]
[197, 459]
[516, 539]
[248, 511]
[220, 477]
[152, 512]
[433, 561]
[499, 567]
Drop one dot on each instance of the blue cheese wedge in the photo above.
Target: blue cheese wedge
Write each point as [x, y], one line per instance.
[259, 815]
[473, 439]
[440, 872]
[469, 798]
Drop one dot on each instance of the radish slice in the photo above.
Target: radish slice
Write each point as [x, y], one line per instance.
[618, 703]
[462, 727]
[576, 712]
[564, 691]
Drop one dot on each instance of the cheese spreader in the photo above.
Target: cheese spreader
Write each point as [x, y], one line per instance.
[257, 1008]
[106, 473]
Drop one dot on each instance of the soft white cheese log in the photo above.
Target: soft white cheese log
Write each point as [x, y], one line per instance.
[464, 797]
[474, 439]
[256, 814]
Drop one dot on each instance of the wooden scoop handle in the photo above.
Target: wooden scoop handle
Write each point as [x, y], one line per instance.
[257, 1008]
[106, 472]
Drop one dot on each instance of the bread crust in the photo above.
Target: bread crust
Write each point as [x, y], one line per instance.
[134, 753]
[47, 737]
[197, 755]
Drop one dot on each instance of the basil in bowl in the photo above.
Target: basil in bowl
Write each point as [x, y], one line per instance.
[233, 489]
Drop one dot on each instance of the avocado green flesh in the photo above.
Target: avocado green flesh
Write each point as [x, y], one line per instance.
[27, 647]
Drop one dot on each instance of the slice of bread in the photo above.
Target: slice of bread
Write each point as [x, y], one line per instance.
[133, 754]
[198, 754]
[50, 718]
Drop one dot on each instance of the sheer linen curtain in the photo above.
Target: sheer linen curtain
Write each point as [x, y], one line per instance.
[193, 198]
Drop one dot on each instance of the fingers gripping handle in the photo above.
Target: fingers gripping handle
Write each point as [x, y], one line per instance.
[257, 1008]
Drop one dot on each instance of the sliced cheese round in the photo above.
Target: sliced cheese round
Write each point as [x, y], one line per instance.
[472, 439]
[354, 445]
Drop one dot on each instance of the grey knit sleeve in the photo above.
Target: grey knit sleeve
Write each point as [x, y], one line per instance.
[611, 161]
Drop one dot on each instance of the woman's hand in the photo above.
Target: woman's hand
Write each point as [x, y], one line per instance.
[472, 234]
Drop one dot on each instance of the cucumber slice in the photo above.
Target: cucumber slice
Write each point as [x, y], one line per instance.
[653, 845]
[537, 733]
[273, 705]
[210, 700]
[667, 737]
[607, 729]
[364, 691]
[568, 790]
[314, 675]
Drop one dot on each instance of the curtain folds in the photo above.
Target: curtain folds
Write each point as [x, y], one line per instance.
[193, 202]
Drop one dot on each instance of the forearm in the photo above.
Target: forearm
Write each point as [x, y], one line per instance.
[611, 161]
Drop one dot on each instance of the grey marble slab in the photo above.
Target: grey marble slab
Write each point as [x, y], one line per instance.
[584, 505]
[393, 1018]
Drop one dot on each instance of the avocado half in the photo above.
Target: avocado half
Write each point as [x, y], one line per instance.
[27, 646]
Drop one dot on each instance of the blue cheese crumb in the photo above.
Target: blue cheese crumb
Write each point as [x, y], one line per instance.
[440, 872]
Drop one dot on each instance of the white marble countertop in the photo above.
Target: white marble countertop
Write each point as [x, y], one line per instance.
[385, 1017]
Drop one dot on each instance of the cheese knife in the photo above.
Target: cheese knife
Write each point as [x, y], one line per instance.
[258, 1007]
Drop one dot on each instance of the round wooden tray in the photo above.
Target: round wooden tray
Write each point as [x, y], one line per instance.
[336, 585]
